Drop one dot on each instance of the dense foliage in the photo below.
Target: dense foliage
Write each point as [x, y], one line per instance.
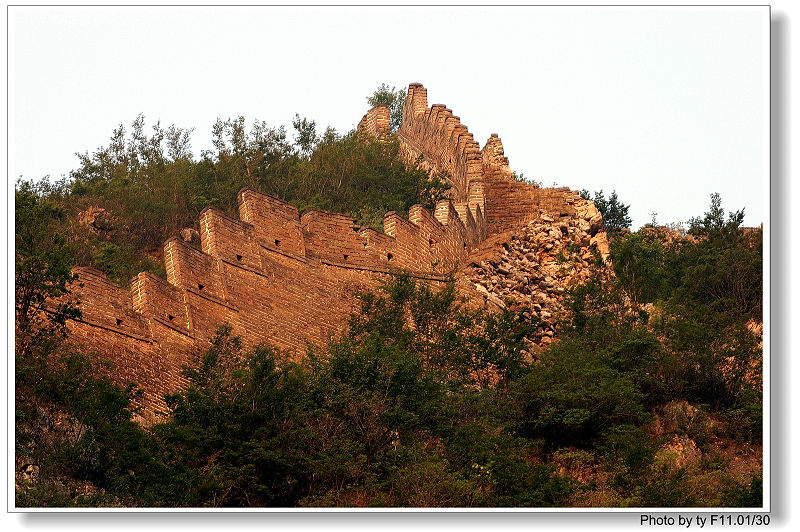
[705, 296]
[44, 258]
[386, 418]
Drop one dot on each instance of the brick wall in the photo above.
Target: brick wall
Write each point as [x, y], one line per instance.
[275, 224]
[481, 179]
[445, 144]
[277, 278]
[376, 122]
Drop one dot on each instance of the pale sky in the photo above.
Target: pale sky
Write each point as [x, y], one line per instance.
[664, 105]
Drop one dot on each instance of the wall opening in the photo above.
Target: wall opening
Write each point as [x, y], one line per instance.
[277, 243]
[119, 322]
[200, 286]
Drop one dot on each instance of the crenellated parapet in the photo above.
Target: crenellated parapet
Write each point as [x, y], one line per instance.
[481, 178]
[444, 144]
[275, 223]
[275, 276]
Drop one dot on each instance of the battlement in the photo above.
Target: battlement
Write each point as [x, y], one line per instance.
[275, 276]
[275, 223]
[444, 142]
[481, 178]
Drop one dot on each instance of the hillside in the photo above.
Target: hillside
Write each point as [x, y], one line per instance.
[484, 342]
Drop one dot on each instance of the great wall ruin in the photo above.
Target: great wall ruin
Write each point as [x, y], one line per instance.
[291, 281]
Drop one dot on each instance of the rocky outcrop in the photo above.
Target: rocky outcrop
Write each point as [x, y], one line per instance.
[98, 220]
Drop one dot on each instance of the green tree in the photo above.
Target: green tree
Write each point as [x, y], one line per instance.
[365, 178]
[151, 186]
[142, 180]
[102, 448]
[43, 266]
[575, 394]
[614, 212]
[235, 430]
[391, 416]
[640, 264]
[392, 98]
[306, 138]
[713, 223]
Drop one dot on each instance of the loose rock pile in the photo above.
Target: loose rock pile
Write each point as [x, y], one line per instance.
[530, 270]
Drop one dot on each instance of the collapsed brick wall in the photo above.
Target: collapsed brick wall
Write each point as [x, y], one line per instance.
[512, 204]
[276, 277]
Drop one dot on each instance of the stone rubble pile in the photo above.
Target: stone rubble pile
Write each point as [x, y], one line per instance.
[531, 271]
